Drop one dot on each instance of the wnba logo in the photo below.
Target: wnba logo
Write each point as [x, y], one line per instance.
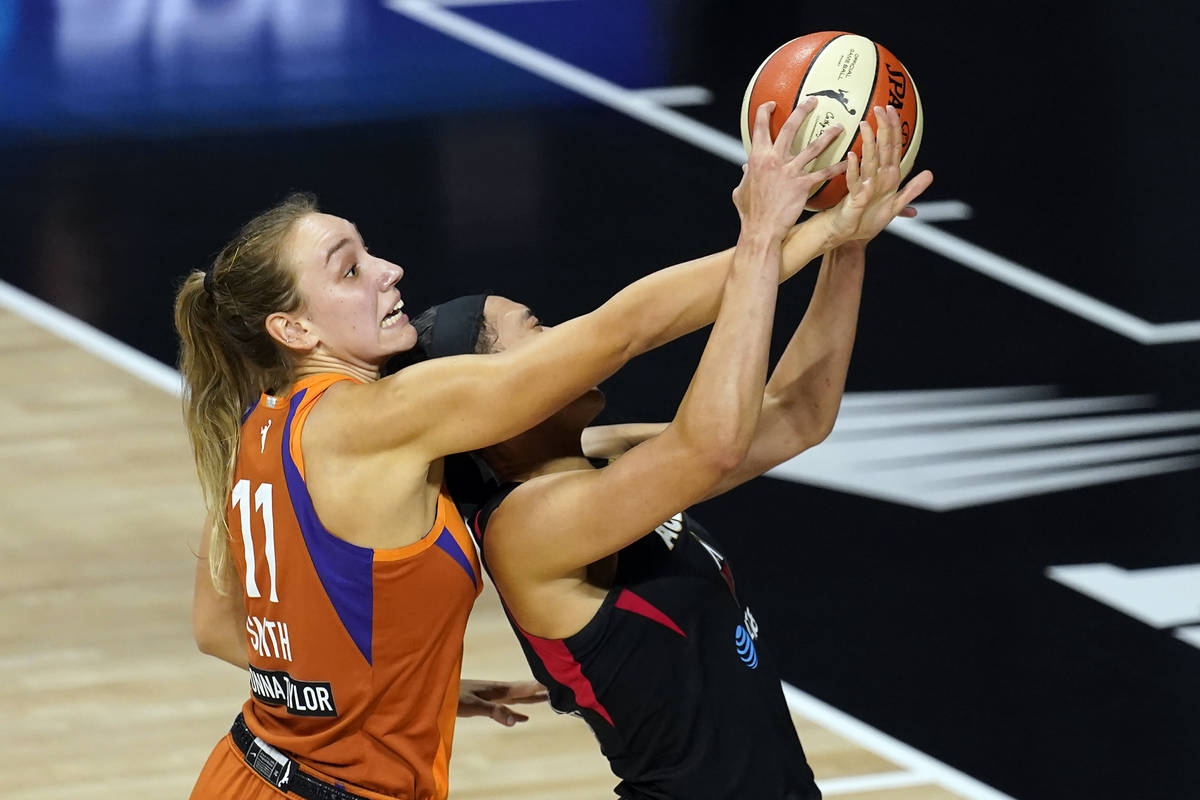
[745, 647]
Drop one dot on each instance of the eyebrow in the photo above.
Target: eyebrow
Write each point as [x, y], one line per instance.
[341, 243]
[345, 240]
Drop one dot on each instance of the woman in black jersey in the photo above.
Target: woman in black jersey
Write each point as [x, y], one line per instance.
[626, 608]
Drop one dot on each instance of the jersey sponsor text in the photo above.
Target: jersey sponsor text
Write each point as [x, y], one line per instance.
[302, 698]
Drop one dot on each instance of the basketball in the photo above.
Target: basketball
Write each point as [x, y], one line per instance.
[849, 75]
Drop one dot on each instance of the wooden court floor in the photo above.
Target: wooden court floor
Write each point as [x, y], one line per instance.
[102, 690]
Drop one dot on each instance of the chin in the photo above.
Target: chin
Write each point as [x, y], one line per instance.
[406, 337]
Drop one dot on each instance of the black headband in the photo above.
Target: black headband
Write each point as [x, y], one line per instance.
[208, 278]
[456, 327]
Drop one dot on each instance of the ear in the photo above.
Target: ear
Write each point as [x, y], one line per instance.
[292, 332]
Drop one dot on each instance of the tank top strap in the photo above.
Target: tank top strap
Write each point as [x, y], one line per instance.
[304, 396]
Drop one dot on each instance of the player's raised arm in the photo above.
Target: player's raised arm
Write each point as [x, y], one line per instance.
[804, 393]
[584, 515]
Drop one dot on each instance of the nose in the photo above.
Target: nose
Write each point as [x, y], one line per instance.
[390, 276]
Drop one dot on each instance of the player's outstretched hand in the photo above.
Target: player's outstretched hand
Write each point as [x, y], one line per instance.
[487, 699]
[775, 185]
[875, 196]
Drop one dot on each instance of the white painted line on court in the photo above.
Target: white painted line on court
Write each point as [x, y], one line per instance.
[676, 95]
[96, 342]
[909, 400]
[1189, 634]
[724, 146]
[1024, 279]
[853, 784]
[942, 210]
[930, 769]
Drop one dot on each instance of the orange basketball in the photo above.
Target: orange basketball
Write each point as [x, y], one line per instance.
[848, 74]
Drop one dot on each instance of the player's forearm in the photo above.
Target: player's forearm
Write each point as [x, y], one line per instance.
[223, 641]
[804, 393]
[803, 243]
[810, 378]
[611, 441]
[720, 410]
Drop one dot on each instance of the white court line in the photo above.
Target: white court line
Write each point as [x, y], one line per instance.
[853, 784]
[645, 110]
[942, 210]
[677, 95]
[96, 342]
[927, 768]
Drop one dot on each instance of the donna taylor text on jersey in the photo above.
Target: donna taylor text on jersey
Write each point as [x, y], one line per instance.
[301, 698]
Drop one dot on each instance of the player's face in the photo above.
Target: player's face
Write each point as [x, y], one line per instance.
[513, 323]
[351, 301]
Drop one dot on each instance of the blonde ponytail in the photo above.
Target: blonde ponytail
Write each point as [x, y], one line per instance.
[226, 356]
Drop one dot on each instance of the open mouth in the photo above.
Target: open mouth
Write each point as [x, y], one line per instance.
[393, 317]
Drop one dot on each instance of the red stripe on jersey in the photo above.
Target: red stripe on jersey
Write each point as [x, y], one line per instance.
[563, 667]
[629, 601]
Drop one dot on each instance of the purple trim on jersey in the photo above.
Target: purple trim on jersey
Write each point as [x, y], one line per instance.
[250, 411]
[346, 570]
[450, 545]
[637, 604]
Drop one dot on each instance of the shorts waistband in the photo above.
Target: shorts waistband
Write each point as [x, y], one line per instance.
[282, 771]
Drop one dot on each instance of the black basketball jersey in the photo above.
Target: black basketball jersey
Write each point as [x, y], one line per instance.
[673, 676]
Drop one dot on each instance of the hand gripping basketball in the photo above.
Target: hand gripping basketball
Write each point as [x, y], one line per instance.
[775, 184]
[875, 197]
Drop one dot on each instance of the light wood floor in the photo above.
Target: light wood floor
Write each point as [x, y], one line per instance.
[102, 692]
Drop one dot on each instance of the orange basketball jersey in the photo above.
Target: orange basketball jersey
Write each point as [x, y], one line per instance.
[354, 653]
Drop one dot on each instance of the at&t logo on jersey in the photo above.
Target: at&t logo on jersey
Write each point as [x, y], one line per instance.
[743, 640]
[745, 647]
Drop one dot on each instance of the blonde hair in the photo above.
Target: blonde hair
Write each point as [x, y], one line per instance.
[226, 356]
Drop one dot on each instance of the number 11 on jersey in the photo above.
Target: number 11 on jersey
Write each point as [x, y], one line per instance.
[263, 503]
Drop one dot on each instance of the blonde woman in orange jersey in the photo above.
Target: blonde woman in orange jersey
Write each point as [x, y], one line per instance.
[337, 568]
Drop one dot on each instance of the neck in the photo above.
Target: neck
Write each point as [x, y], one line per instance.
[544, 450]
[320, 363]
[553, 446]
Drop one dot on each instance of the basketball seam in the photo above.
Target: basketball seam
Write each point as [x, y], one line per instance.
[869, 105]
[813, 60]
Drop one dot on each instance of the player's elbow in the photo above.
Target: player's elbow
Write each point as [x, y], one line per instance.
[728, 453]
[820, 429]
[216, 630]
[719, 449]
[207, 641]
[808, 421]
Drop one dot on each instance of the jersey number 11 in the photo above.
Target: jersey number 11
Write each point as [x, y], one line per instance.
[262, 502]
